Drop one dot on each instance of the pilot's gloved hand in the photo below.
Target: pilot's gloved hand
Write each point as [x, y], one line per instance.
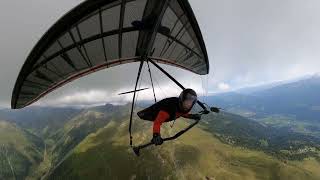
[206, 112]
[196, 117]
[157, 140]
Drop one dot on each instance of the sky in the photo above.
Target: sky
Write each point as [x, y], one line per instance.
[248, 42]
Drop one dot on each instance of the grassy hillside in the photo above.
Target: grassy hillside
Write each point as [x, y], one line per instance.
[81, 125]
[281, 142]
[196, 155]
[304, 127]
[93, 144]
[20, 151]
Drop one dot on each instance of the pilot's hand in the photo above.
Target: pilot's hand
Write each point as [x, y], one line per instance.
[157, 140]
[206, 112]
[196, 117]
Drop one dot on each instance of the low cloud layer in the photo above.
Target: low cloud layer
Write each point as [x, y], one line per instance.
[223, 86]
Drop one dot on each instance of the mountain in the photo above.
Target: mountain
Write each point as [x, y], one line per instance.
[42, 121]
[266, 86]
[80, 126]
[61, 129]
[92, 143]
[20, 151]
[198, 154]
[299, 100]
[290, 106]
[283, 143]
[268, 133]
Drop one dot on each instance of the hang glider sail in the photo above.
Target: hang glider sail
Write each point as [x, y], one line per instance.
[100, 34]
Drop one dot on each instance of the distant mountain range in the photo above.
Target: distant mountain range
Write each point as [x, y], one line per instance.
[265, 86]
[39, 119]
[299, 99]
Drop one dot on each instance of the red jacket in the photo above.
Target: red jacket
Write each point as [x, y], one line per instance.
[163, 111]
[163, 116]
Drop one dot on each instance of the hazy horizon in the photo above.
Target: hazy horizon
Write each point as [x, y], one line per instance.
[86, 95]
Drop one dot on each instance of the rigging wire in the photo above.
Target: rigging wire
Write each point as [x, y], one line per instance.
[154, 94]
[161, 90]
[140, 79]
[139, 86]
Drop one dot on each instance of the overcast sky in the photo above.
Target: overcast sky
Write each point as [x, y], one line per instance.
[248, 42]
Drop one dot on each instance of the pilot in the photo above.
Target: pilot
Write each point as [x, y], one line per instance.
[169, 109]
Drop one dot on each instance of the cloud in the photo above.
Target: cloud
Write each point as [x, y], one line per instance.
[99, 97]
[252, 41]
[223, 86]
[83, 98]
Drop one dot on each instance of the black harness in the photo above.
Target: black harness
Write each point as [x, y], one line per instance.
[169, 105]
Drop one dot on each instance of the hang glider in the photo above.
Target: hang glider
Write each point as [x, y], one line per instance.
[99, 34]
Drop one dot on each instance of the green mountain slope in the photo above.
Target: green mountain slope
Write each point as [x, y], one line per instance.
[282, 143]
[20, 151]
[81, 125]
[198, 154]
[92, 143]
